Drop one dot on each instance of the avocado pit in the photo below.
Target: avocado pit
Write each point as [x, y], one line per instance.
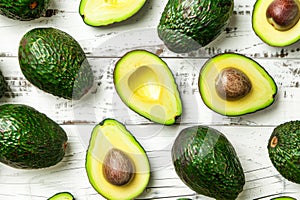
[283, 14]
[118, 168]
[232, 84]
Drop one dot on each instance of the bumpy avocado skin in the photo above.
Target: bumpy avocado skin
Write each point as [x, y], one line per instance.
[54, 62]
[23, 10]
[284, 150]
[3, 85]
[190, 24]
[29, 139]
[207, 162]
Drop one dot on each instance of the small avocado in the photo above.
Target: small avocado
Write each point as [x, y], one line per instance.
[276, 22]
[23, 10]
[187, 25]
[284, 150]
[3, 85]
[102, 13]
[232, 84]
[207, 163]
[145, 84]
[116, 164]
[54, 62]
[29, 139]
[62, 196]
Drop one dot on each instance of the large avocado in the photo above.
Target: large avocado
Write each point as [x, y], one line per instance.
[232, 84]
[53, 61]
[23, 10]
[284, 150]
[276, 22]
[102, 13]
[29, 139]
[207, 162]
[186, 25]
[145, 83]
[116, 164]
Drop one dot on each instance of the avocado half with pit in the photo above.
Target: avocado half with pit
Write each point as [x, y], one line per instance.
[232, 84]
[105, 12]
[145, 84]
[276, 22]
[116, 164]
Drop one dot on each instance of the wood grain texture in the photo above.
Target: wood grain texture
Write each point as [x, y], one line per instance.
[104, 46]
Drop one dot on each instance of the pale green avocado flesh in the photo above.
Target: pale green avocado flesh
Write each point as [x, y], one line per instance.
[103, 12]
[111, 134]
[147, 86]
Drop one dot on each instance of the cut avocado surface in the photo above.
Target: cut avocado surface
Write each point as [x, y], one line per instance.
[262, 92]
[110, 135]
[62, 196]
[103, 12]
[267, 30]
[147, 86]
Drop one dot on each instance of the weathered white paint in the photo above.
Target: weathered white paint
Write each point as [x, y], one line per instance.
[104, 46]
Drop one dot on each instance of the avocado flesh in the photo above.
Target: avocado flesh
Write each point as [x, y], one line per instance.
[283, 198]
[206, 162]
[112, 134]
[266, 32]
[23, 10]
[62, 196]
[29, 139]
[188, 25]
[262, 93]
[284, 150]
[147, 86]
[54, 62]
[103, 12]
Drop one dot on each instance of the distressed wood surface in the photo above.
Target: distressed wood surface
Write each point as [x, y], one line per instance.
[104, 46]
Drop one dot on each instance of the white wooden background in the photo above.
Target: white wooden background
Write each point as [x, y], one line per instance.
[104, 45]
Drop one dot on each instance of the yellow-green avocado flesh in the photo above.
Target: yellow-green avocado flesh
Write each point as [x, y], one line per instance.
[267, 32]
[261, 95]
[111, 134]
[147, 86]
[103, 12]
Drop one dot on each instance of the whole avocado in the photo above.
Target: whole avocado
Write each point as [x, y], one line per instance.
[187, 25]
[54, 62]
[284, 150]
[207, 163]
[23, 10]
[29, 139]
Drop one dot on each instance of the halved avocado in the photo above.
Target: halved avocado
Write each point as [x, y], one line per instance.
[112, 143]
[277, 24]
[145, 84]
[62, 196]
[242, 72]
[104, 12]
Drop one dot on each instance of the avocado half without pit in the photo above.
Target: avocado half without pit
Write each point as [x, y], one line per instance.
[116, 164]
[232, 84]
[276, 22]
[147, 86]
[105, 12]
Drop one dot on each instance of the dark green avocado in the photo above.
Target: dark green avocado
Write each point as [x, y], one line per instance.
[62, 196]
[54, 62]
[29, 139]
[186, 25]
[284, 150]
[207, 163]
[23, 10]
